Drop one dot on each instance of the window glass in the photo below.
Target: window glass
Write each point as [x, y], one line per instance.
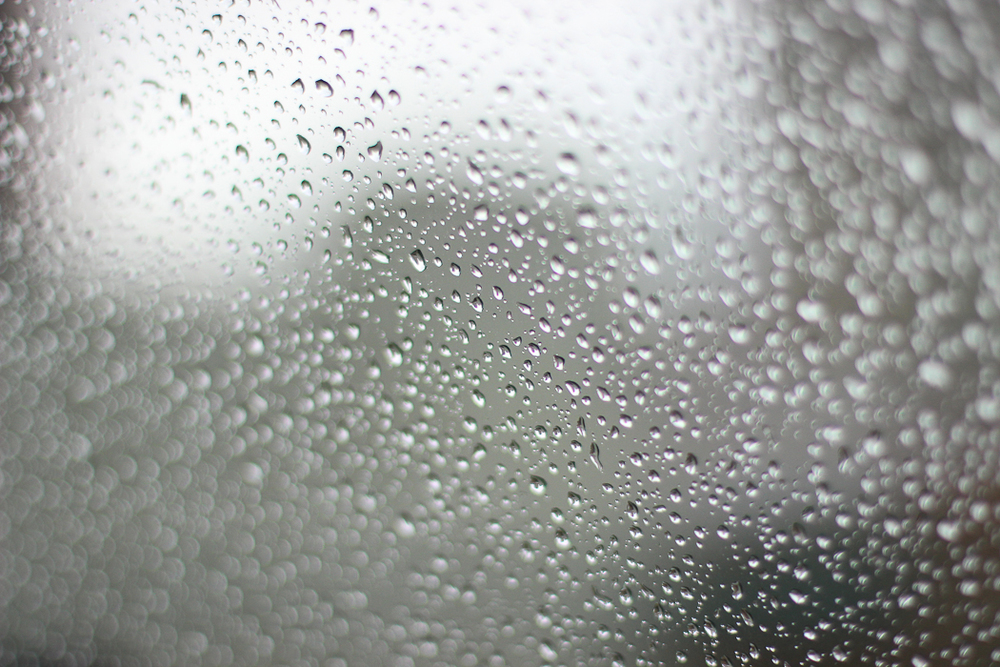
[500, 333]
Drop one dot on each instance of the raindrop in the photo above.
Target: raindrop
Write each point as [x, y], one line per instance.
[417, 259]
[595, 456]
[740, 334]
[324, 88]
[935, 373]
[567, 164]
[587, 218]
[650, 262]
[393, 355]
[538, 485]
[478, 399]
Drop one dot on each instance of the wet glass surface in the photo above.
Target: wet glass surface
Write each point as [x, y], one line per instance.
[506, 333]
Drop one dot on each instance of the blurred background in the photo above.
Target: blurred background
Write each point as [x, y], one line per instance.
[499, 333]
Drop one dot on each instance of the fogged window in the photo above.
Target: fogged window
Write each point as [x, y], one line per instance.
[506, 333]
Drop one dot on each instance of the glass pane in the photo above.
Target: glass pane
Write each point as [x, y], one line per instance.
[500, 333]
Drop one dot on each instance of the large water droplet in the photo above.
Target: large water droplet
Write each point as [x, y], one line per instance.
[417, 259]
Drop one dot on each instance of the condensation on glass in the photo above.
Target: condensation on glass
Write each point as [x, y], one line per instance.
[501, 333]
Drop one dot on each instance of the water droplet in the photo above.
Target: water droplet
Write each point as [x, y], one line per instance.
[595, 456]
[567, 164]
[417, 259]
[587, 218]
[538, 485]
[404, 526]
[683, 247]
[935, 373]
[811, 311]
[324, 88]
[650, 262]
[798, 597]
[949, 530]
[393, 355]
[916, 165]
[740, 334]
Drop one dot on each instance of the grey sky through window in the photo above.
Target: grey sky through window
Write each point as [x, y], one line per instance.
[499, 334]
